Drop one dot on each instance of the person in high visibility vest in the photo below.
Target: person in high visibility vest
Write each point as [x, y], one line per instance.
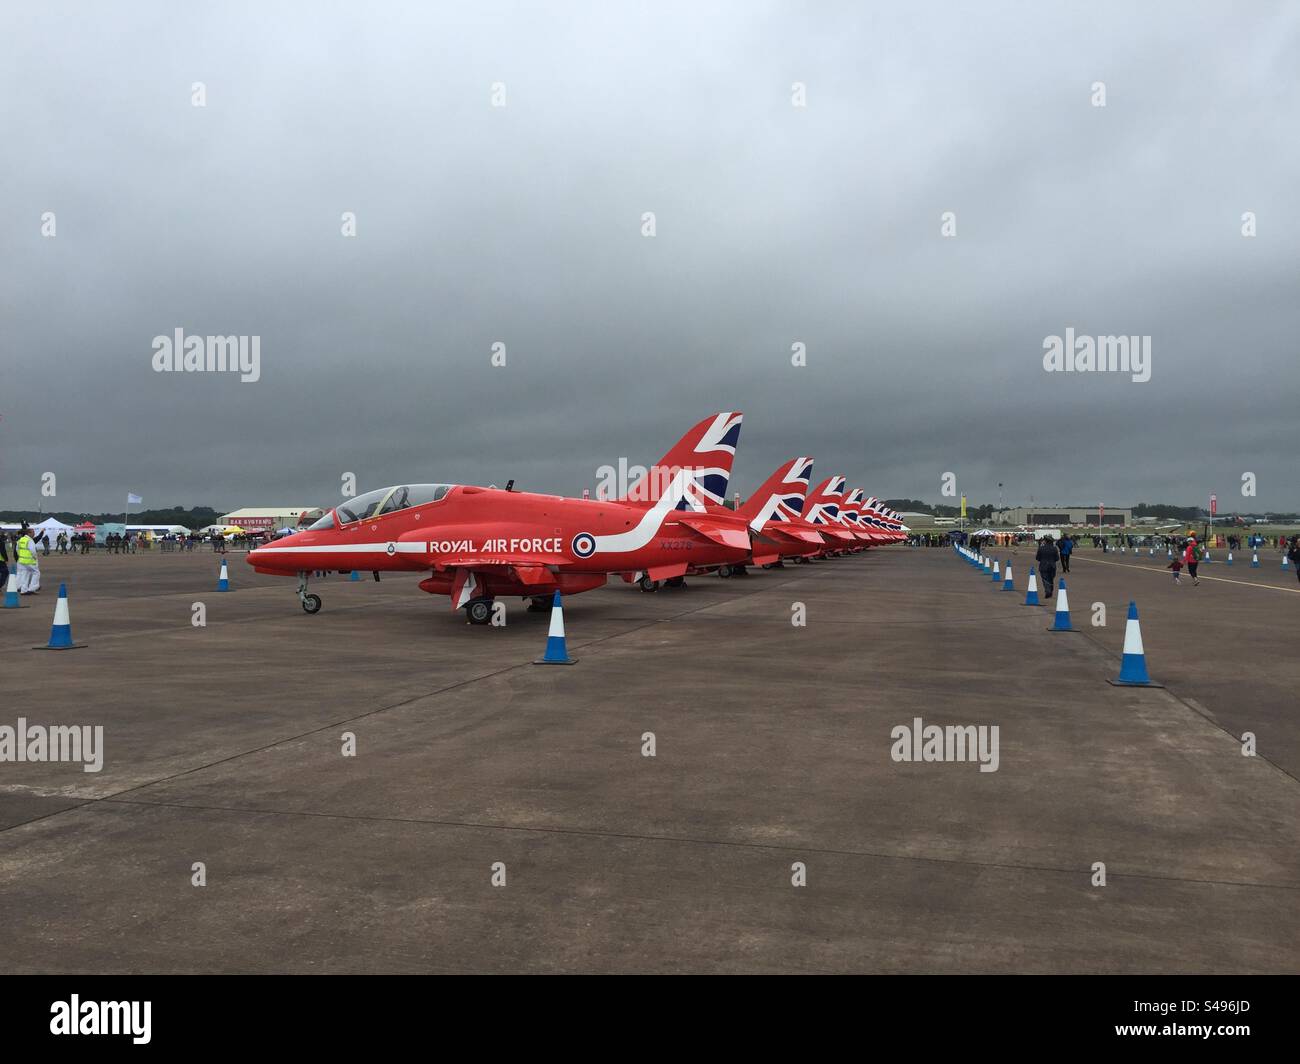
[29, 569]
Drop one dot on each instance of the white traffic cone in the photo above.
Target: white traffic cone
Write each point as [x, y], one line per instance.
[557, 652]
[1133, 668]
[12, 601]
[61, 630]
[1061, 622]
[1031, 595]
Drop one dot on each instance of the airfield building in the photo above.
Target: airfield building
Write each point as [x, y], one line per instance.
[1064, 515]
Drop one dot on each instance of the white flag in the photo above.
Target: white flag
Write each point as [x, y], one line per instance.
[132, 499]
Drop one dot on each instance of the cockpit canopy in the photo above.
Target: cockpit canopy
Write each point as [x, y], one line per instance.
[383, 501]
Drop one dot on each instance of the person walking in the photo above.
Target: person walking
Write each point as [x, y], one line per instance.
[1066, 549]
[4, 561]
[1177, 566]
[1294, 555]
[29, 568]
[1192, 558]
[1046, 558]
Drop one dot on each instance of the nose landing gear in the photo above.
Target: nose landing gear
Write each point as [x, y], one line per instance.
[310, 603]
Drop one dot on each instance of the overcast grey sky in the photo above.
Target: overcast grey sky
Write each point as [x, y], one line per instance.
[522, 224]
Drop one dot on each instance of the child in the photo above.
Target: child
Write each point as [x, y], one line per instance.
[1177, 566]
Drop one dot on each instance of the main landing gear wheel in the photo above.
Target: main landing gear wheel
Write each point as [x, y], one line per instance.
[539, 604]
[675, 581]
[646, 584]
[740, 570]
[724, 571]
[479, 611]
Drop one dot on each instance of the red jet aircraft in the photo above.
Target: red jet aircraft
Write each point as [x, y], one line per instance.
[775, 514]
[823, 511]
[772, 514]
[478, 543]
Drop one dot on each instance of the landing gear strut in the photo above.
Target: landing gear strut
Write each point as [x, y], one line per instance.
[539, 604]
[675, 581]
[310, 603]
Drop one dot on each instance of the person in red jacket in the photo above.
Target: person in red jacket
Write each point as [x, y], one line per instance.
[1192, 558]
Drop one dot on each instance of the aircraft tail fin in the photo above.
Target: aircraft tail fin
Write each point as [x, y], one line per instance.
[698, 467]
[781, 496]
[824, 501]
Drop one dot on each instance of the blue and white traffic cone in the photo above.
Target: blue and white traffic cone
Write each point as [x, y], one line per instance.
[1152, 551]
[997, 572]
[1133, 669]
[355, 575]
[1229, 557]
[1061, 623]
[1170, 553]
[61, 630]
[1123, 549]
[223, 581]
[1207, 559]
[557, 652]
[12, 601]
[1254, 560]
[988, 568]
[1284, 565]
[1007, 582]
[1031, 596]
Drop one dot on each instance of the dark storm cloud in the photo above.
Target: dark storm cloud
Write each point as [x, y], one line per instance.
[522, 225]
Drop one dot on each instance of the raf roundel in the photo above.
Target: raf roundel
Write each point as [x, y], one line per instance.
[584, 545]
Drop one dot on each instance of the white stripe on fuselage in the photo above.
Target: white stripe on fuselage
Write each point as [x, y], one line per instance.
[350, 548]
[651, 521]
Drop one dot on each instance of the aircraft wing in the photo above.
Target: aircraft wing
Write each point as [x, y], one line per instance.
[519, 562]
[805, 534]
[711, 528]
